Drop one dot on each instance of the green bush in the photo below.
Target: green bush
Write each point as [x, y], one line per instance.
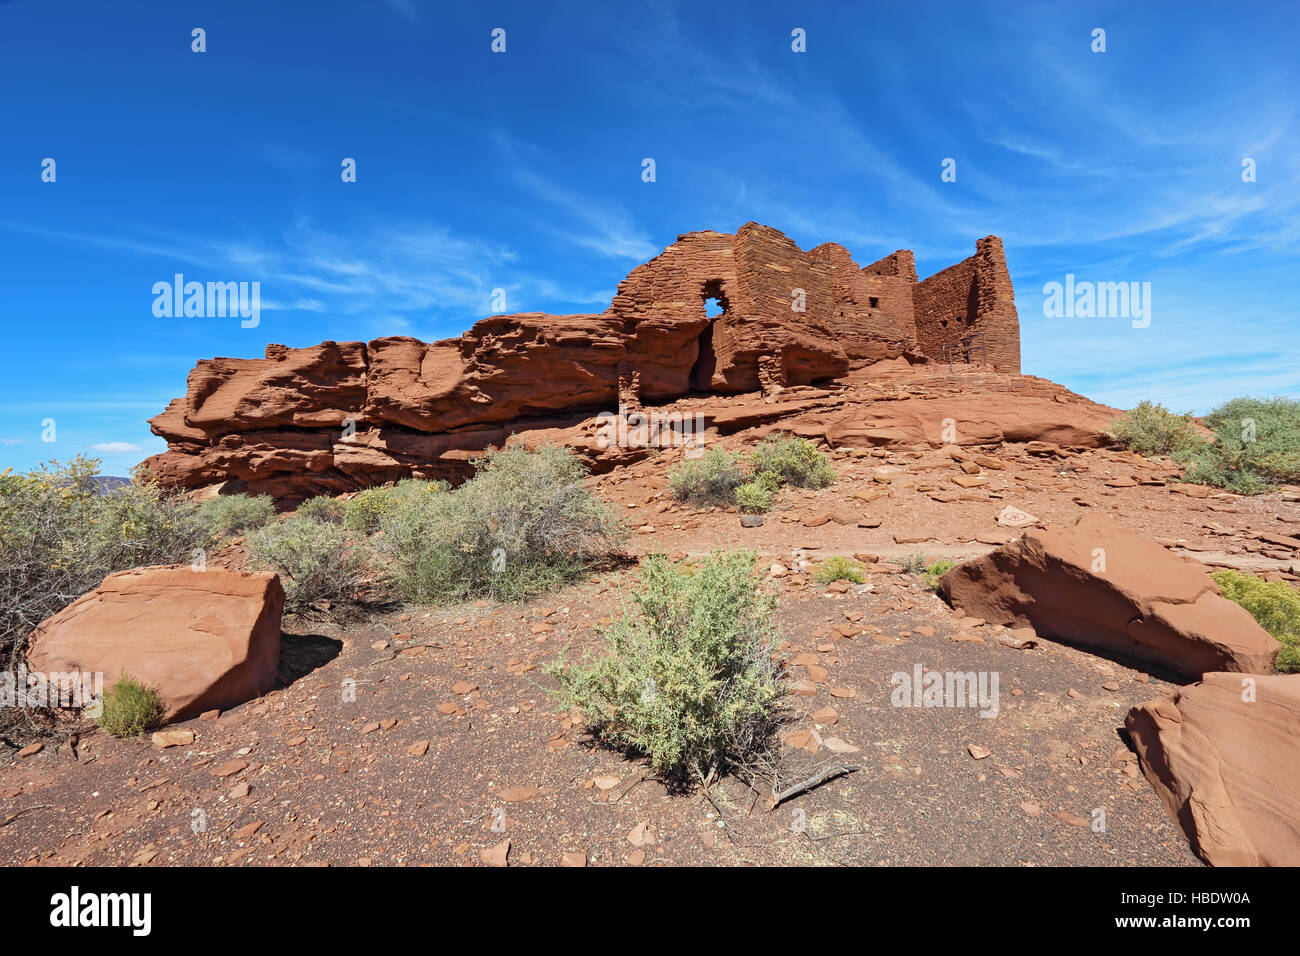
[522, 525]
[711, 479]
[130, 708]
[687, 678]
[839, 568]
[936, 570]
[1256, 446]
[365, 512]
[228, 514]
[1274, 604]
[1151, 430]
[791, 461]
[322, 508]
[316, 560]
[1211, 468]
[60, 537]
[754, 497]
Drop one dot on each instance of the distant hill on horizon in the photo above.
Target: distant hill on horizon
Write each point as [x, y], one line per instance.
[107, 483]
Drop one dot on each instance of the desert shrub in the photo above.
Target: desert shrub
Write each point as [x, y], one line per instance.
[711, 479]
[522, 525]
[791, 461]
[364, 513]
[839, 568]
[914, 563]
[754, 497]
[687, 677]
[1274, 604]
[317, 562]
[228, 514]
[1256, 446]
[1210, 468]
[322, 508]
[60, 537]
[936, 570]
[1151, 429]
[130, 708]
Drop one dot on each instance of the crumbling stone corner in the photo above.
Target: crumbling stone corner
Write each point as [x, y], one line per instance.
[771, 375]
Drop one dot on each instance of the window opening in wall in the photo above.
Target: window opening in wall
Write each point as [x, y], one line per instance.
[715, 306]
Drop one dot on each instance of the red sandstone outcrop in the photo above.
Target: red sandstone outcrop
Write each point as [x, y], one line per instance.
[345, 415]
[206, 639]
[1100, 586]
[971, 421]
[1224, 756]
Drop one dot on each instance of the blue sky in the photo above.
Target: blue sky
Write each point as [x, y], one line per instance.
[522, 171]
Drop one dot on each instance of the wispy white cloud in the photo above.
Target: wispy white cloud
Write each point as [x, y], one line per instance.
[300, 304]
[116, 448]
[588, 223]
[417, 270]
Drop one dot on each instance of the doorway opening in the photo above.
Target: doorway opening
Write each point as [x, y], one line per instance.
[715, 307]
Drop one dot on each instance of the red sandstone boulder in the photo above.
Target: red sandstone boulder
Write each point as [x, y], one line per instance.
[206, 639]
[1228, 768]
[1100, 586]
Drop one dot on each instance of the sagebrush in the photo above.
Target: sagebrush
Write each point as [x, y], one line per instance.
[322, 508]
[228, 514]
[1256, 446]
[789, 460]
[687, 676]
[523, 524]
[1150, 429]
[318, 562]
[365, 511]
[711, 479]
[915, 563]
[751, 482]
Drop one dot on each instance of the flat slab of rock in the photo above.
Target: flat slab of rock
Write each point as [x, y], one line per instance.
[1228, 769]
[1103, 587]
[206, 639]
[1013, 517]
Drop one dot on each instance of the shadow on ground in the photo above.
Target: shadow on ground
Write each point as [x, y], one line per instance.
[300, 654]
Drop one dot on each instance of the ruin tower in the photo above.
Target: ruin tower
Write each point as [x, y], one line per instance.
[970, 308]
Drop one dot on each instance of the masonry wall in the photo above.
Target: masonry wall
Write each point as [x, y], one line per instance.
[973, 297]
[661, 307]
[769, 270]
[871, 315]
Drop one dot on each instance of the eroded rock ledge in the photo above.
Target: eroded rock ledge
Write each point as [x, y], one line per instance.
[340, 416]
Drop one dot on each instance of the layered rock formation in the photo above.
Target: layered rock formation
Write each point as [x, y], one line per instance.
[205, 639]
[341, 416]
[1102, 587]
[1224, 756]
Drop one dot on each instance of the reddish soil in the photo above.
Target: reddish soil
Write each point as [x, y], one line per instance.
[307, 776]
